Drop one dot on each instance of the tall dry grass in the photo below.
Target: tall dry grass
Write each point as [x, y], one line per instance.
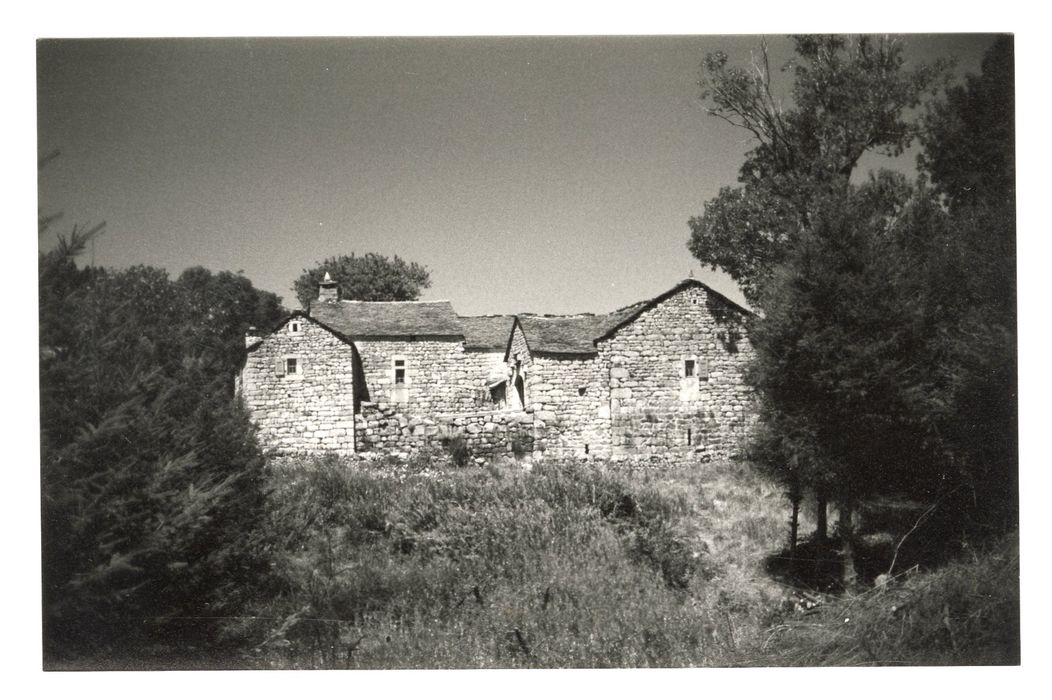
[419, 565]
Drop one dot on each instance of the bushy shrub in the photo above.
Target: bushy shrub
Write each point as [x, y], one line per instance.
[457, 449]
[151, 479]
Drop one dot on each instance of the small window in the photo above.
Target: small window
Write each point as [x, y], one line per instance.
[689, 368]
[399, 371]
[689, 438]
[292, 365]
[582, 390]
[295, 327]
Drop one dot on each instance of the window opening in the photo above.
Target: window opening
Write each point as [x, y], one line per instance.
[689, 369]
[586, 448]
[689, 442]
[399, 368]
[294, 327]
[291, 366]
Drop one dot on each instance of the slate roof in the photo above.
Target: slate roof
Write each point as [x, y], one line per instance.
[389, 318]
[577, 335]
[570, 334]
[486, 332]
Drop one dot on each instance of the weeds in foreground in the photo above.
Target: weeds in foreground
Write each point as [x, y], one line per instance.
[565, 565]
[411, 565]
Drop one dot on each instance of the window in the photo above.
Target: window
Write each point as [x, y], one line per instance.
[689, 437]
[582, 390]
[295, 327]
[399, 372]
[689, 368]
[292, 365]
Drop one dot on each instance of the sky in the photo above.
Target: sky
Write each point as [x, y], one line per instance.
[552, 175]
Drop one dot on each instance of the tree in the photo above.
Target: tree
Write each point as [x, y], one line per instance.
[842, 367]
[215, 311]
[369, 277]
[969, 136]
[151, 479]
[848, 97]
[969, 155]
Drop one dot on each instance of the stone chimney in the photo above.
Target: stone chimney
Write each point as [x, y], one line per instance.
[252, 335]
[328, 290]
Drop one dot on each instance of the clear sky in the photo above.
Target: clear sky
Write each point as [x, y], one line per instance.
[529, 174]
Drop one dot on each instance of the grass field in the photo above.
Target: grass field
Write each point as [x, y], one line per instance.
[569, 565]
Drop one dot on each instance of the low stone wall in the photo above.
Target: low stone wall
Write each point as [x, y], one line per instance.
[381, 429]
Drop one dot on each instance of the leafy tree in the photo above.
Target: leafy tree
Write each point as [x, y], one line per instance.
[151, 480]
[369, 277]
[848, 97]
[216, 309]
[840, 366]
[969, 154]
[969, 136]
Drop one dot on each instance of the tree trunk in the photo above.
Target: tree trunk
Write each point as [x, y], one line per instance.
[822, 530]
[846, 528]
[795, 496]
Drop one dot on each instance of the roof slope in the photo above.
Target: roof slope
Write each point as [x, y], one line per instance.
[636, 310]
[389, 318]
[570, 334]
[486, 332]
[577, 335]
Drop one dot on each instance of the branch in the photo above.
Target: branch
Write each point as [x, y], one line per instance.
[917, 524]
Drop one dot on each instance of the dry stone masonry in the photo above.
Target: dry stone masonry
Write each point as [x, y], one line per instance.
[390, 378]
[298, 382]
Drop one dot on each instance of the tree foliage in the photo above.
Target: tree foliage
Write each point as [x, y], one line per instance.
[151, 479]
[369, 277]
[848, 97]
[969, 136]
[886, 352]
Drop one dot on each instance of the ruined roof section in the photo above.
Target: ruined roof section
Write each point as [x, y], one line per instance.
[389, 318]
[570, 335]
[486, 332]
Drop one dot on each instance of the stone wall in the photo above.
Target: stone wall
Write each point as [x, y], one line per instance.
[383, 430]
[482, 369]
[439, 375]
[312, 409]
[569, 398]
[654, 405]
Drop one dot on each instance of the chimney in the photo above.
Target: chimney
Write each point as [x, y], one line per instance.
[252, 335]
[328, 290]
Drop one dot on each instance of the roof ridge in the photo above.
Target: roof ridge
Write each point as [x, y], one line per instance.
[400, 301]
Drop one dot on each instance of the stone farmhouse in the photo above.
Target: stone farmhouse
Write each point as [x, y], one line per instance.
[375, 378]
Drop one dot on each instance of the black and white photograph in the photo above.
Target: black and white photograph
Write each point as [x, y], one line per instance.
[600, 351]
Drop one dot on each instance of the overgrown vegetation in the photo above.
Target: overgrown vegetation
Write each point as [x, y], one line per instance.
[151, 479]
[885, 353]
[565, 565]
[418, 565]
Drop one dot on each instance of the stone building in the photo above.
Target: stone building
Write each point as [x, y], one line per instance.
[665, 374]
